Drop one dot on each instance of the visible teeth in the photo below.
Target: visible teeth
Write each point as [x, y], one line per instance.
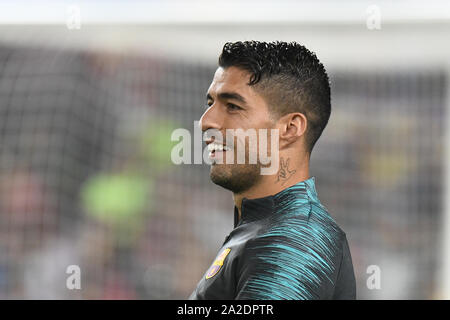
[217, 147]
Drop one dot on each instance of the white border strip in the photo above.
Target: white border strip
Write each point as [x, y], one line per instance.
[221, 12]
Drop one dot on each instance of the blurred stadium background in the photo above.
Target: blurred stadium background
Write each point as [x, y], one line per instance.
[90, 93]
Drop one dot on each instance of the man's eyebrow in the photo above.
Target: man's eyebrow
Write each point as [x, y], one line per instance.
[228, 96]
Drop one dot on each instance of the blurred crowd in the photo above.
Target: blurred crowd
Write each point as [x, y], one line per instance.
[86, 177]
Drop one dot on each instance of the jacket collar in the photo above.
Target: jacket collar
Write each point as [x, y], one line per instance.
[260, 208]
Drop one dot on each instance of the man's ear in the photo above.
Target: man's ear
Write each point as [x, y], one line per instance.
[292, 127]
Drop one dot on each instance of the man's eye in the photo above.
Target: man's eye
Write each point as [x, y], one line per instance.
[232, 106]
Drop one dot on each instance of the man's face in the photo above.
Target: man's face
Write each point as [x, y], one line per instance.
[233, 104]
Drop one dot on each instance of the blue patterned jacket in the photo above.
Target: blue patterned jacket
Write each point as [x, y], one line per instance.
[285, 246]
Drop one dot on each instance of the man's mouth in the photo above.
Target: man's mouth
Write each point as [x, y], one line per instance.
[215, 147]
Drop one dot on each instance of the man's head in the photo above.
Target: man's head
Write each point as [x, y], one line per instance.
[266, 85]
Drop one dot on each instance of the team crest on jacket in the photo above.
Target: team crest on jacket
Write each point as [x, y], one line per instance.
[218, 263]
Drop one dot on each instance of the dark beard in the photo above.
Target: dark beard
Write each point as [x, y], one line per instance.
[236, 177]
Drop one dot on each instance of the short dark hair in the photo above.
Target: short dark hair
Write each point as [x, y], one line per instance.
[289, 76]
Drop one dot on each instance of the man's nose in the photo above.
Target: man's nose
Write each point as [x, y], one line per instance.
[211, 119]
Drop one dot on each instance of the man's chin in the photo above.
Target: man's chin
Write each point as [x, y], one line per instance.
[236, 178]
[220, 175]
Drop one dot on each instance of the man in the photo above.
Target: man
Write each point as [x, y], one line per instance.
[284, 244]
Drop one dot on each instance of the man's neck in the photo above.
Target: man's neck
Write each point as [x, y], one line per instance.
[288, 175]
